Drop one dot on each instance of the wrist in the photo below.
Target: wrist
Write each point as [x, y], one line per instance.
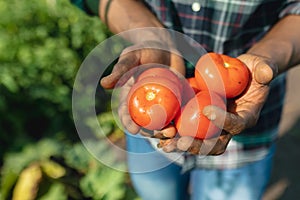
[278, 53]
[123, 15]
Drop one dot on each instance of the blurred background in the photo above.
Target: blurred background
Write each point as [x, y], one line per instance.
[42, 45]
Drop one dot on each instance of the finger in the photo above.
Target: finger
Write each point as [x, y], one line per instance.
[177, 63]
[146, 132]
[158, 134]
[263, 73]
[130, 125]
[167, 132]
[215, 146]
[189, 144]
[126, 120]
[125, 63]
[125, 89]
[168, 145]
[230, 122]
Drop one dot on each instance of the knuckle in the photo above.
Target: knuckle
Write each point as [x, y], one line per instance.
[235, 125]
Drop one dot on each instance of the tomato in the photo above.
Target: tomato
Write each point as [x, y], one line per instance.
[222, 74]
[193, 84]
[153, 104]
[164, 72]
[190, 88]
[191, 121]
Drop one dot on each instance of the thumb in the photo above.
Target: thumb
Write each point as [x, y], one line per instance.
[121, 71]
[264, 73]
[230, 122]
[109, 81]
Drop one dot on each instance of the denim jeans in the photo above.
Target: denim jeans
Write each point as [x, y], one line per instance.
[166, 181]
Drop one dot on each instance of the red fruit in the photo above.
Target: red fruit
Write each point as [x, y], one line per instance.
[222, 74]
[191, 121]
[153, 103]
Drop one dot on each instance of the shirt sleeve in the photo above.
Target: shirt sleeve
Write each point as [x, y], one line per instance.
[88, 6]
[292, 8]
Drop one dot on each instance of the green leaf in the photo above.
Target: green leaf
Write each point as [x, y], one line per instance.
[52, 169]
[28, 183]
[104, 183]
[56, 191]
[78, 157]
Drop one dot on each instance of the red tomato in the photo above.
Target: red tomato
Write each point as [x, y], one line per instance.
[153, 104]
[164, 72]
[190, 88]
[191, 121]
[222, 74]
[193, 84]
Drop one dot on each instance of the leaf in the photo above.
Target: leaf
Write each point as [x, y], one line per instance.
[7, 183]
[103, 183]
[52, 169]
[107, 122]
[56, 192]
[107, 153]
[78, 157]
[28, 182]
[9, 83]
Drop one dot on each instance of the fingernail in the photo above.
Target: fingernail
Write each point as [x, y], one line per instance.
[263, 74]
[212, 116]
[209, 114]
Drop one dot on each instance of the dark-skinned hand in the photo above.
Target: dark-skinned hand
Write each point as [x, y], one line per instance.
[242, 112]
[126, 70]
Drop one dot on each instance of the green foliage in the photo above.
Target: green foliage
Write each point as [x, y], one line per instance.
[56, 192]
[14, 162]
[96, 184]
[42, 44]
[63, 168]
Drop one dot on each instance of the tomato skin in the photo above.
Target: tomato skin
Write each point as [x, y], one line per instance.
[191, 121]
[193, 84]
[153, 104]
[190, 88]
[222, 74]
[163, 72]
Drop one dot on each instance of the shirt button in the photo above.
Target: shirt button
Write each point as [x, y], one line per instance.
[196, 6]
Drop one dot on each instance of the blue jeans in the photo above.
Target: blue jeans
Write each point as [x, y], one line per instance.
[166, 182]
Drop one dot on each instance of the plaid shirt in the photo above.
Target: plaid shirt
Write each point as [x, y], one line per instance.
[230, 27]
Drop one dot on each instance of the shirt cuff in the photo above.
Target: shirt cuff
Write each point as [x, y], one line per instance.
[292, 8]
[90, 7]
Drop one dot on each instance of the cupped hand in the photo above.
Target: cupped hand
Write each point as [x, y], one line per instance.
[125, 72]
[242, 112]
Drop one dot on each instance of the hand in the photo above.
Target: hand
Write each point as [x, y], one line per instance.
[242, 112]
[133, 56]
[125, 71]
